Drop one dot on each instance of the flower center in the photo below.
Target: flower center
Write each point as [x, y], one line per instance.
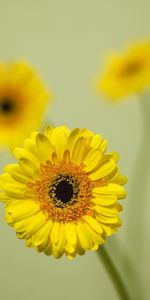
[131, 68]
[7, 106]
[64, 189]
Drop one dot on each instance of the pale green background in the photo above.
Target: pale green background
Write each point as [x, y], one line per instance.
[66, 41]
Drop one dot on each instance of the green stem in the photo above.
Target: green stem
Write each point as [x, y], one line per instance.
[113, 273]
[138, 194]
[127, 267]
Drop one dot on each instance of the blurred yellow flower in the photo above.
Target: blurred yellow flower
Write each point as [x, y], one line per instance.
[62, 195]
[126, 73]
[22, 101]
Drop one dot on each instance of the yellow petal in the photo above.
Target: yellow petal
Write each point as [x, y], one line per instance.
[113, 175]
[92, 160]
[114, 155]
[103, 171]
[61, 242]
[109, 230]
[84, 238]
[20, 226]
[71, 256]
[48, 132]
[106, 211]
[23, 153]
[104, 200]
[44, 147]
[76, 134]
[96, 141]
[103, 146]
[16, 173]
[66, 156]
[96, 237]
[5, 178]
[59, 139]
[120, 179]
[71, 234]
[42, 235]
[48, 250]
[109, 220]
[111, 188]
[55, 233]
[17, 191]
[28, 168]
[73, 137]
[69, 248]
[36, 222]
[78, 151]
[4, 197]
[95, 225]
[22, 209]
[29, 242]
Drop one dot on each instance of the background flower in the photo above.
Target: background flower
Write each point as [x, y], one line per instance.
[62, 196]
[23, 98]
[126, 73]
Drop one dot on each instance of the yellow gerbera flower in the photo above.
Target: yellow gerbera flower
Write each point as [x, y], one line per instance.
[126, 73]
[62, 195]
[22, 101]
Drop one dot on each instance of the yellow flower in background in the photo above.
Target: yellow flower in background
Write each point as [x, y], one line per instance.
[62, 195]
[126, 73]
[22, 101]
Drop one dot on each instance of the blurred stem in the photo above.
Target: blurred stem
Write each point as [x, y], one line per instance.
[139, 185]
[126, 266]
[113, 273]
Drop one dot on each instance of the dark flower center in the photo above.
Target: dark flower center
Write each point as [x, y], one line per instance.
[64, 189]
[7, 106]
[131, 68]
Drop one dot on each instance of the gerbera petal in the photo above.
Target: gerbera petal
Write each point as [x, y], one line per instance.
[3, 197]
[5, 178]
[17, 191]
[111, 220]
[22, 209]
[95, 225]
[120, 179]
[78, 150]
[36, 222]
[42, 235]
[103, 171]
[96, 141]
[111, 189]
[61, 242]
[74, 135]
[84, 237]
[92, 160]
[71, 234]
[44, 147]
[16, 173]
[104, 200]
[66, 156]
[106, 211]
[59, 139]
[55, 233]
[96, 237]
[28, 168]
[48, 131]
[23, 153]
[103, 146]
